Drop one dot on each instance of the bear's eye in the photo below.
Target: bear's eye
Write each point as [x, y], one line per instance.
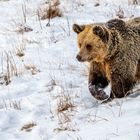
[88, 47]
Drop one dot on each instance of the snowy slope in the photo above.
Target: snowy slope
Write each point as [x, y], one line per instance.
[48, 98]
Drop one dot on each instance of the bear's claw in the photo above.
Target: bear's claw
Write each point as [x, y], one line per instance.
[98, 92]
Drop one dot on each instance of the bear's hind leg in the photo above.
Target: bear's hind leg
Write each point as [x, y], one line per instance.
[121, 87]
[138, 72]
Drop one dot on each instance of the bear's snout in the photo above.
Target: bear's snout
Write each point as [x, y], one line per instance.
[79, 58]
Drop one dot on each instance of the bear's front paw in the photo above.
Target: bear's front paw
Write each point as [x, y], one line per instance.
[97, 92]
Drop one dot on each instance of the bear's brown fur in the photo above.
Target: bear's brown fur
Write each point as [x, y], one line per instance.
[118, 51]
[133, 21]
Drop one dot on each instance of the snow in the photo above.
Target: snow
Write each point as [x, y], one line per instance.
[48, 75]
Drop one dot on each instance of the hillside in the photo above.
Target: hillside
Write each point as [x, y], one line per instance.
[43, 88]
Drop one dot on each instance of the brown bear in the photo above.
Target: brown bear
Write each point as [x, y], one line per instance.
[97, 72]
[118, 51]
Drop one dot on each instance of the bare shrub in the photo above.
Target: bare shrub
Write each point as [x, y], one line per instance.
[10, 70]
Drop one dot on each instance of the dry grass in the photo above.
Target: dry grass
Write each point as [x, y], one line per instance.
[120, 13]
[50, 85]
[65, 103]
[64, 122]
[13, 104]
[10, 68]
[68, 29]
[20, 49]
[28, 127]
[50, 11]
[66, 128]
[5, 79]
[95, 118]
[21, 28]
[133, 2]
[65, 108]
[32, 68]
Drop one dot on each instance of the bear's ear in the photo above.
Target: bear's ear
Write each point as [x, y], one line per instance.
[101, 32]
[78, 28]
[116, 23]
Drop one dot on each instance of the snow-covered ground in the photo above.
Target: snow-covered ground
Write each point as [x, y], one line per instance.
[47, 97]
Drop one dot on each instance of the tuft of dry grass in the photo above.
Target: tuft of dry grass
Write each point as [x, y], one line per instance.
[28, 127]
[10, 68]
[67, 128]
[120, 13]
[5, 79]
[13, 104]
[50, 11]
[21, 28]
[20, 49]
[64, 113]
[32, 68]
[65, 103]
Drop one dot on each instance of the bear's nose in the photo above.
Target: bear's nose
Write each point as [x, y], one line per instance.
[78, 57]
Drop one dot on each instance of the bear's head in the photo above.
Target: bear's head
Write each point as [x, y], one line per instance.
[92, 41]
